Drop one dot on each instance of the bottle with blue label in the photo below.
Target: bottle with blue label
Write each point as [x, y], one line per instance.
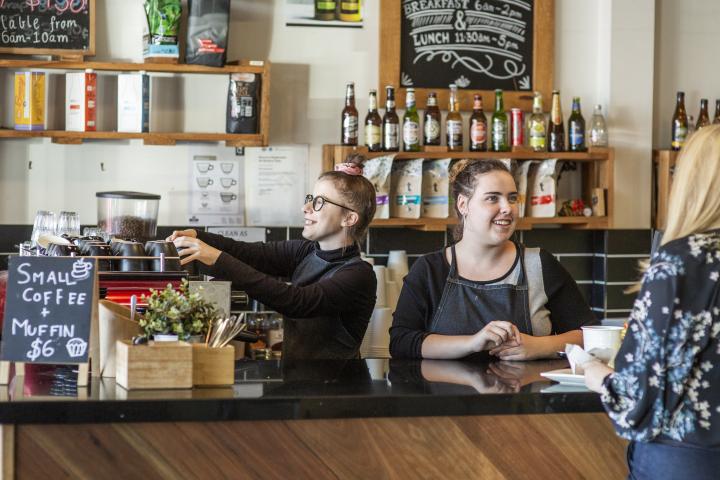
[576, 128]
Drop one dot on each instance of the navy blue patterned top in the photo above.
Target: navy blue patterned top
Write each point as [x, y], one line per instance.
[666, 386]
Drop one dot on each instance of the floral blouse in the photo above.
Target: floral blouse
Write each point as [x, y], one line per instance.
[666, 385]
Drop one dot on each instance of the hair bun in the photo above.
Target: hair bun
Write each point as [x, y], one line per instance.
[349, 168]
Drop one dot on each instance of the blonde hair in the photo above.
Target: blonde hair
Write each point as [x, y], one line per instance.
[694, 204]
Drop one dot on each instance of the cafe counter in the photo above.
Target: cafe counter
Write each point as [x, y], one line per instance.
[318, 419]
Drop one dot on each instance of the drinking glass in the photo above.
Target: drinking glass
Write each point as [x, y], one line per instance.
[44, 225]
[68, 223]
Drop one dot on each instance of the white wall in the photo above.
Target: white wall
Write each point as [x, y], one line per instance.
[310, 67]
[686, 59]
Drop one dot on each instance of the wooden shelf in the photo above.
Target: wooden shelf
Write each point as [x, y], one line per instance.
[243, 66]
[332, 152]
[152, 138]
[663, 165]
[596, 170]
[525, 223]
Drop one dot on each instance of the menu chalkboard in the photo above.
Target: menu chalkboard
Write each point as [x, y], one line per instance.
[47, 26]
[479, 44]
[48, 309]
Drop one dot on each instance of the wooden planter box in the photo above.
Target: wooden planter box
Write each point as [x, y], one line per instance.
[213, 366]
[154, 366]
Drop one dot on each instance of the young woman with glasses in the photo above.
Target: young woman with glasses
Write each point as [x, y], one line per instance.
[331, 296]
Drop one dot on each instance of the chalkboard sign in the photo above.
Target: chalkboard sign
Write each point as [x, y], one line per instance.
[485, 46]
[479, 45]
[48, 310]
[62, 27]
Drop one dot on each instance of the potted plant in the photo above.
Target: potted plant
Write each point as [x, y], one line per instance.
[177, 313]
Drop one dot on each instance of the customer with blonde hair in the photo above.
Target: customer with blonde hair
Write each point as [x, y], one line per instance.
[664, 394]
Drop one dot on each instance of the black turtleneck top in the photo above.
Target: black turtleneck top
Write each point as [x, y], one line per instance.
[259, 270]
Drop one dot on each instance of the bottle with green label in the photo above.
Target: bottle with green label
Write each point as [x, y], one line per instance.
[411, 124]
[576, 128]
[325, 10]
[679, 123]
[499, 125]
[373, 125]
[536, 125]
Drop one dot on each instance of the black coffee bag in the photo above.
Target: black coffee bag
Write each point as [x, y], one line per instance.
[208, 24]
[243, 105]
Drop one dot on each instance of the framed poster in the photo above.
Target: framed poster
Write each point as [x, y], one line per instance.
[479, 45]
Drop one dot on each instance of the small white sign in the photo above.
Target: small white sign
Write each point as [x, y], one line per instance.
[241, 234]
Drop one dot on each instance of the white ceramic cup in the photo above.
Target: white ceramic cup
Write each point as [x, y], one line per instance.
[398, 264]
[381, 292]
[602, 341]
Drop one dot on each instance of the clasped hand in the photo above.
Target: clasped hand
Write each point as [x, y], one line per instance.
[191, 248]
[504, 340]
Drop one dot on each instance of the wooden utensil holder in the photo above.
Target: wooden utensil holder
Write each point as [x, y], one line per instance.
[213, 366]
[158, 365]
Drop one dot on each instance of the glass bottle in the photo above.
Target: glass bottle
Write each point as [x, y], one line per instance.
[391, 122]
[350, 117]
[324, 10]
[556, 132]
[478, 126]
[703, 117]
[411, 124]
[717, 111]
[679, 123]
[499, 125]
[431, 121]
[536, 125]
[453, 123]
[576, 128]
[350, 11]
[373, 125]
[598, 129]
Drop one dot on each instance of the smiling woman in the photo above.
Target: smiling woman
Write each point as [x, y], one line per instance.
[331, 297]
[487, 293]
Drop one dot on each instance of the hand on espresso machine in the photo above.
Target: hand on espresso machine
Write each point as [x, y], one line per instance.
[190, 248]
[181, 233]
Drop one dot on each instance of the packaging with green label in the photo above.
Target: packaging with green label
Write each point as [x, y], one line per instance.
[160, 38]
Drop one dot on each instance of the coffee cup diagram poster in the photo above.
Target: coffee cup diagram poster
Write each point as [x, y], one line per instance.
[217, 195]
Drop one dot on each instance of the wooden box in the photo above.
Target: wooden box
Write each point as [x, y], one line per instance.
[213, 366]
[154, 366]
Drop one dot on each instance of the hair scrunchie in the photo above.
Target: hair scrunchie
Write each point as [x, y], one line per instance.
[349, 168]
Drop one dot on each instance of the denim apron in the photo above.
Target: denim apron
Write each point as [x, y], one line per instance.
[467, 306]
[658, 461]
[318, 337]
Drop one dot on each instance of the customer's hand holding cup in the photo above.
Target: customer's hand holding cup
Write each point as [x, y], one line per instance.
[602, 341]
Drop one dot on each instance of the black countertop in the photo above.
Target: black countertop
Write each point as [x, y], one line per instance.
[273, 390]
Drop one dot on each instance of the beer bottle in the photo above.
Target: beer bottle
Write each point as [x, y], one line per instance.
[679, 123]
[703, 118]
[431, 121]
[325, 10]
[453, 123]
[598, 129]
[373, 125]
[350, 11]
[350, 117]
[536, 125]
[576, 128]
[391, 122]
[499, 125]
[411, 124]
[717, 111]
[478, 127]
[556, 132]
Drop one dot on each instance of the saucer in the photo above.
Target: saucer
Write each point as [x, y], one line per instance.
[565, 376]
